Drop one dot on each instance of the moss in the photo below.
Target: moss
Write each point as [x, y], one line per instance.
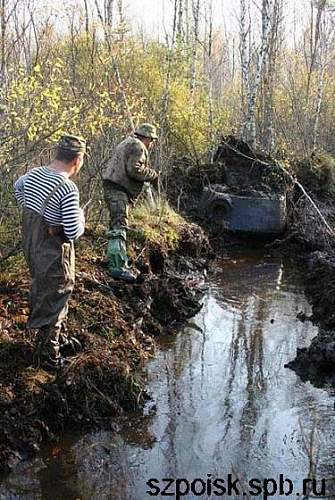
[160, 225]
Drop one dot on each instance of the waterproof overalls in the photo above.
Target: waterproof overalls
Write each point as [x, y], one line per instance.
[51, 261]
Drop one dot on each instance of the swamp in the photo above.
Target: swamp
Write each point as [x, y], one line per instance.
[212, 374]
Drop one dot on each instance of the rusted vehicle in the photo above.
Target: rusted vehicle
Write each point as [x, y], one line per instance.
[262, 213]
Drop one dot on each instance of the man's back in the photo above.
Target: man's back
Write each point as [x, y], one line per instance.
[33, 189]
[128, 148]
[128, 166]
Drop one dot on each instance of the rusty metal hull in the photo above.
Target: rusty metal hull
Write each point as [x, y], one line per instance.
[252, 214]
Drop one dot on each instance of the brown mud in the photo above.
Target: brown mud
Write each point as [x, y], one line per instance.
[116, 324]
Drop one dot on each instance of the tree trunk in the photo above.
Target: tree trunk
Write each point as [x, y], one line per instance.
[318, 110]
[249, 126]
[120, 11]
[87, 25]
[195, 12]
[108, 13]
[269, 80]
[3, 25]
[180, 20]
[315, 33]
[244, 53]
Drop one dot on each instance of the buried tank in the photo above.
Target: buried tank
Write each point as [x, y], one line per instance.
[249, 195]
[260, 213]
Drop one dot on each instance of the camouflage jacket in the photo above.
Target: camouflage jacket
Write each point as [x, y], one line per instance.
[128, 167]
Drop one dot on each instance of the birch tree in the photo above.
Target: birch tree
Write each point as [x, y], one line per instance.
[326, 39]
[195, 39]
[251, 77]
[269, 79]
[108, 13]
[87, 18]
[209, 57]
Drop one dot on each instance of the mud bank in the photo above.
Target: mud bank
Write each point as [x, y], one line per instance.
[309, 244]
[116, 324]
[317, 362]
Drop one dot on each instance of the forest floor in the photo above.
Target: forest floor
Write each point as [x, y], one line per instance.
[116, 324]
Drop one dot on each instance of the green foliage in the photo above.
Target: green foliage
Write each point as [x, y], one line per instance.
[78, 93]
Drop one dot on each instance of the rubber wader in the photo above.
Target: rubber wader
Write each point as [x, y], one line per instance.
[51, 261]
[117, 260]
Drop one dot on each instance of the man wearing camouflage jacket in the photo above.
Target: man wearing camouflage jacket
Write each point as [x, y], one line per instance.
[124, 177]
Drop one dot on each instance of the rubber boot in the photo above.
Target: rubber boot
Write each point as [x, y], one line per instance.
[117, 256]
[68, 345]
[123, 275]
[47, 352]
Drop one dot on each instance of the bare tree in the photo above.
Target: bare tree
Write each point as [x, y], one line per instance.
[244, 54]
[326, 53]
[317, 13]
[187, 23]
[251, 79]
[180, 19]
[87, 19]
[3, 27]
[196, 14]
[115, 67]
[109, 13]
[120, 11]
[269, 78]
[210, 71]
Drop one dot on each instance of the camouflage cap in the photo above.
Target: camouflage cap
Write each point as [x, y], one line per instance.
[73, 143]
[147, 130]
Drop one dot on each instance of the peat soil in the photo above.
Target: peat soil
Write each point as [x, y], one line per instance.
[316, 363]
[116, 324]
[312, 248]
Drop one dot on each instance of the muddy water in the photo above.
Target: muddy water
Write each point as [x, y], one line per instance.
[224, 404]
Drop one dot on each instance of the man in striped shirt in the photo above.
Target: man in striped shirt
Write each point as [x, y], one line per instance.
[52, 220]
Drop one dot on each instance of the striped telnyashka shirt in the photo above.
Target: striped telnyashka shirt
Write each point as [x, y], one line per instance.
[32, 189]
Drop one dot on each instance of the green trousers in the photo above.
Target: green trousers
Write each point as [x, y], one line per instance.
[118, 205]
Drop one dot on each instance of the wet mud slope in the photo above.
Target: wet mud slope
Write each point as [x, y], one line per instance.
[317, 362]
[116, 324]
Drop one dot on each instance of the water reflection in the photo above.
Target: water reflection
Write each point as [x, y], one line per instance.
[224, 400]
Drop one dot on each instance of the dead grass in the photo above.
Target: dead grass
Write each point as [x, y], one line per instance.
[159, 225]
